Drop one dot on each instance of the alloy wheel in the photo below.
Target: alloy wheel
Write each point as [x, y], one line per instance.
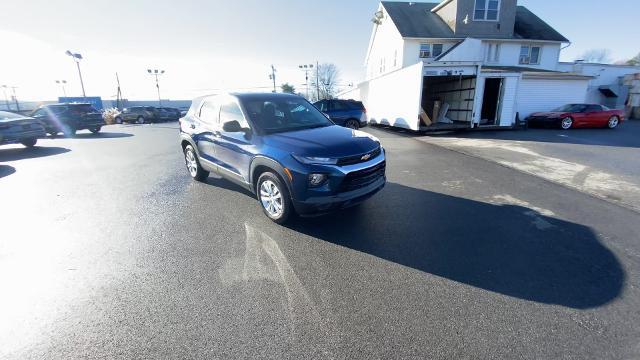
[190, 161]
[271, 198]
[566, 123]
[613, 122]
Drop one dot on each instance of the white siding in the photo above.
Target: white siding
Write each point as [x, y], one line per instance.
[510, 54]
[394, 99]
[387, 46]
[545, 94]
[412, 49]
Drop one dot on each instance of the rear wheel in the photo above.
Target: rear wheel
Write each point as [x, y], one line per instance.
[566, 123]
[352, 124]
[274, 197]
[31, 142]
[193, 164]
[613, 122]
[140, 120]
[96, 129]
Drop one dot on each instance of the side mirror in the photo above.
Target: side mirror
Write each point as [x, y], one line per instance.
[231, 126]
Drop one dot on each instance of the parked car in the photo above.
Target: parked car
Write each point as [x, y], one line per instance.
[69, 118]
[281, 148]
[16, 128]
[578, 116]
[347, 113]
[170, 114]
[139, 115]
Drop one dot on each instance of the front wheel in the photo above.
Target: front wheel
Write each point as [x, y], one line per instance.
[193, 165]
[29, 142]
[96, 129]
[613, 122]
[274, 197]
[118, 120]
[352, 124]
[566, 123]
[140, 120]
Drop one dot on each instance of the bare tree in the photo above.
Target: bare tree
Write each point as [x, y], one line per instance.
[324, 81]
[596, 56]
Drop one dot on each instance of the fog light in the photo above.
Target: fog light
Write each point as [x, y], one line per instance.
[316, 180]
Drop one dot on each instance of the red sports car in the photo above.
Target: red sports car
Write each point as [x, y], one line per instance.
[578, 116]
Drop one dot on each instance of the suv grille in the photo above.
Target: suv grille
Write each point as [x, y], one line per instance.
[362, 178]
[356, 159]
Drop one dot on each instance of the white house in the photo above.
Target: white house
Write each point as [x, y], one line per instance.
[463, 64]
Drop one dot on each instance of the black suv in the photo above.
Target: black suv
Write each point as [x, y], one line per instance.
[347, 113]
[68, 118]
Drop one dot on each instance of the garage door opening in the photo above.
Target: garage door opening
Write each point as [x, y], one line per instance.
[491, 101]
[448, 101]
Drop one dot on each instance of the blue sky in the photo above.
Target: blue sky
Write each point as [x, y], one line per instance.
[208, 45]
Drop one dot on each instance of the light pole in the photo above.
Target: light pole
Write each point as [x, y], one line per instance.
[272, 76]
[62, 83]
[6, 99]
[157, 73]
[76, 58]
[306, 68]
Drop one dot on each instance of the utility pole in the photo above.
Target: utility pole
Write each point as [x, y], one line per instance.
[273, 77]
[76, 58]
[118, 94]
[156, 73]
[6, 99]
[318, 80]
[15, 98]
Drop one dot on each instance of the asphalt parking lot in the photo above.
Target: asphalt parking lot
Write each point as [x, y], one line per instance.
[600, 162]
[110, 250]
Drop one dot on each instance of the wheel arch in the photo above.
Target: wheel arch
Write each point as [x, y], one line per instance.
[261, 164]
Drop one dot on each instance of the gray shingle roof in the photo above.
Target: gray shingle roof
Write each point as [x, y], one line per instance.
[415, 20]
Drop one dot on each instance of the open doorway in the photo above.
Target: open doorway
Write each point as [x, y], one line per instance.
[447, 101]
[491, 101]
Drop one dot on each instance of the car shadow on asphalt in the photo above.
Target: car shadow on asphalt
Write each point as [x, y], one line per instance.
[100, 135]
[507, 249]
[6, 170]
[30, 153]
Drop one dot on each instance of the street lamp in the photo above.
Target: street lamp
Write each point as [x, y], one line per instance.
[6, 99]
[62, 83]
[306, 68]
[76, 58]
[157, 73]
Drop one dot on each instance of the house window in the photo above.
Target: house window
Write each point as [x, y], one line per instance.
[486, 10]
[493, 53]
[529, 55]
[430, 50]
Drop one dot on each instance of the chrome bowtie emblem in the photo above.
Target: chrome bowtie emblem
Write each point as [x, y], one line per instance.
[365, 157]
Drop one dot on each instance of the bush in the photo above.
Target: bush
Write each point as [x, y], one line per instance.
[109, 115]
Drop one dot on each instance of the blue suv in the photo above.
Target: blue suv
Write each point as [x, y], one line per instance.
[283, 150]
[347, 113]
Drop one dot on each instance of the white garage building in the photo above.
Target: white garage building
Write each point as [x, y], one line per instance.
[463, 64]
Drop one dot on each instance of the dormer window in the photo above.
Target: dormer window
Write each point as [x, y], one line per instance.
[486, 10]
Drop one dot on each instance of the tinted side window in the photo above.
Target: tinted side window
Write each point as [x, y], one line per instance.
[231, 111]
[322, 105]
[339, 106]
[592, 108]
[209, 112]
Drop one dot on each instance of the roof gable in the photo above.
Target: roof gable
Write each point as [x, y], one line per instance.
[415, 20]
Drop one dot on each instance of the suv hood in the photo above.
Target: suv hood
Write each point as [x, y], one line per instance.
[331, 141]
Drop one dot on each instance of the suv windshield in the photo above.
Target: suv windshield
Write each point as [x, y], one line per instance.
[273, 115]
[571, 108]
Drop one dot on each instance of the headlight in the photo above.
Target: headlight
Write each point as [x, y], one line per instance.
[316, 180]
[315, 160]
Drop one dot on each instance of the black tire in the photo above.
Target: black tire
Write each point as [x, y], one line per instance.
[53, 133]
[140, 120]
[96, 129]
[566, 123]
[31, 142]
[193, 164]
[118, 120]
[613, 122]
[286, 207]
[352, 124]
